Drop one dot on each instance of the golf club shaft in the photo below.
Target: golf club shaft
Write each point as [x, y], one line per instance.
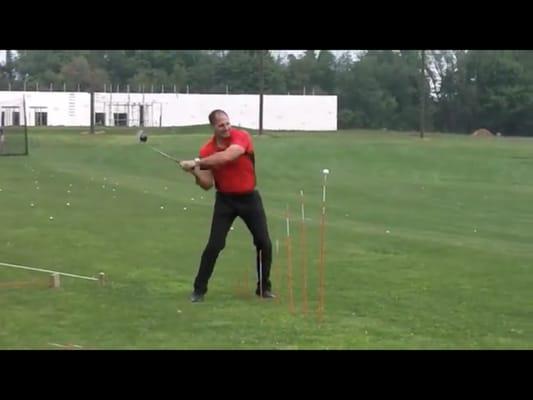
[164, 154]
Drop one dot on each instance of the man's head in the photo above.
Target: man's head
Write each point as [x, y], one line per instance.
[219, 120]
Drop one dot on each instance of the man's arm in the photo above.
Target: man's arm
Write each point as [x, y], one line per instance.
[204, 178]
[214, 160]
[222, 157]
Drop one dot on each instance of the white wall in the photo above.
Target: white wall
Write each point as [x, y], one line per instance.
[62, 108]
[193, 109]
[300, 113]
[281, 112]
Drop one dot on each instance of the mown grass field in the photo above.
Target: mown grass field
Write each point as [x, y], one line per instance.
[428, 243]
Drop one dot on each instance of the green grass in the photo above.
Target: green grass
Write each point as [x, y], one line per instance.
[455, 271]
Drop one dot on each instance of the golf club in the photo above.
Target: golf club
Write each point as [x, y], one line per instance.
[143, 138]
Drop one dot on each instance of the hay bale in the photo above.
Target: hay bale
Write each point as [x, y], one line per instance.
[482, 133]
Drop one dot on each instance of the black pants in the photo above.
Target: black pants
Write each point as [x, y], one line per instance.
[249, 207]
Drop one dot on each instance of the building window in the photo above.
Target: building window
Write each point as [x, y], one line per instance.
[10, 117]
[41, 118]
[99, 119]
[121, 119]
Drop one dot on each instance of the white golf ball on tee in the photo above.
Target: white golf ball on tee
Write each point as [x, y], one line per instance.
[325, 171]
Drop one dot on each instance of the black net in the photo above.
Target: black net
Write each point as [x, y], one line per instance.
[13, 129]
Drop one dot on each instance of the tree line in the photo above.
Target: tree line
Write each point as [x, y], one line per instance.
[377, 89]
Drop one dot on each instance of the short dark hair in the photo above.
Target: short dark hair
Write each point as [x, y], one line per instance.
[213, 114]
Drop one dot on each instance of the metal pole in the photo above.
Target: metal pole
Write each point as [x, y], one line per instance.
[92, 111]
[422, 92]
[261, 88]
[25, 124]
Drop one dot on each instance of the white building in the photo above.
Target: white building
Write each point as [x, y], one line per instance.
[280, 112]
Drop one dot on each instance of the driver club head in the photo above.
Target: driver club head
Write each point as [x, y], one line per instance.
[143, 137]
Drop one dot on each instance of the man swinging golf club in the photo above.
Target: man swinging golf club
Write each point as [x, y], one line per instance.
[227, 161]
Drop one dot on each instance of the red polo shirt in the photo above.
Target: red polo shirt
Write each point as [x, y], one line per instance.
[237, 176]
